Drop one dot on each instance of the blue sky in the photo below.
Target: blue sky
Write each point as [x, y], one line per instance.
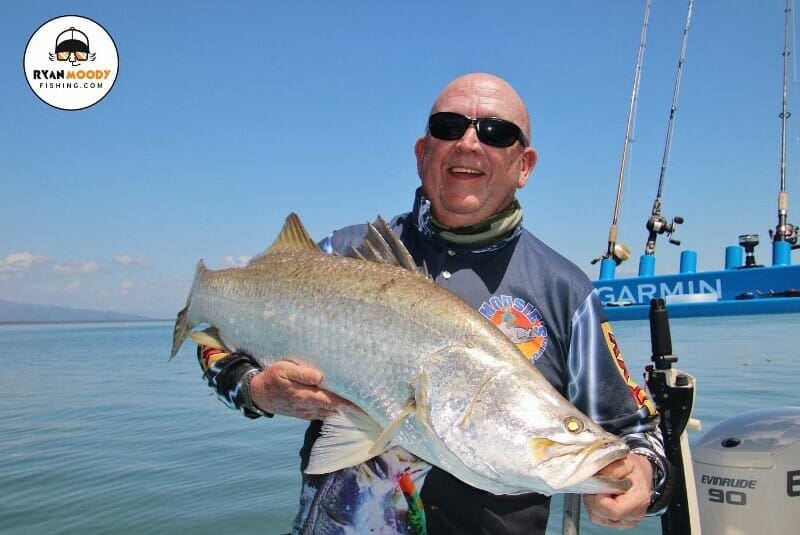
[226, 116]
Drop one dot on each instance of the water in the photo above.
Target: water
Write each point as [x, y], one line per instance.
[100, 434]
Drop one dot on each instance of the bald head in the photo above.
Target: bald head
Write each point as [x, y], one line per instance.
[486, 90]
[467, 180]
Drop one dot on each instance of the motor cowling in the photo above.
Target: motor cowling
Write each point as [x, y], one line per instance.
[747, 472]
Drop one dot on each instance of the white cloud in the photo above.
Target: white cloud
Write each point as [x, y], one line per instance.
[126, 286]
[79, 281]
[236, 261]
[128, 260]
[17, 265]
[78, 267]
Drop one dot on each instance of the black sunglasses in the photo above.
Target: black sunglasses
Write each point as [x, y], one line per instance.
[491, 130]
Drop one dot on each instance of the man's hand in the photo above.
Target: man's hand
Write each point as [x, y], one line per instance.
[293, 389]
[627, 509]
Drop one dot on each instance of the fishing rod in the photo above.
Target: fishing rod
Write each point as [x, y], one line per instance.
[784, 232]
[617, 253]
[658, 224]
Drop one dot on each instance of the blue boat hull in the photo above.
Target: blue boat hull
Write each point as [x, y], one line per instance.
[755, 290]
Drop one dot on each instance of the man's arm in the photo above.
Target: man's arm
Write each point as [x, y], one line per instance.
[289, 388]
[601, 386]
[285, 387]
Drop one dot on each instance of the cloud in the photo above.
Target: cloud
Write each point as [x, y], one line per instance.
[236, 261]
[126, 286]
[78, 267]
[16, 265]
[128, 260]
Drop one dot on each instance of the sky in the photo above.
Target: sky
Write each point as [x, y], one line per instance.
[227, 116]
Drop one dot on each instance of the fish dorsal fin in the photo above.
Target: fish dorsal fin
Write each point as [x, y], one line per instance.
[293, 237]
[381, 245]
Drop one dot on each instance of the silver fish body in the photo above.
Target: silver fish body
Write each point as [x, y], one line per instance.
[431, 374]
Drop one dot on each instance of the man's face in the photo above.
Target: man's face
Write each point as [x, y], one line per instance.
[466, 180]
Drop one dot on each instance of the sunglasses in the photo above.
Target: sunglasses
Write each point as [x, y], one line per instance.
[491, 130]
[79, 56]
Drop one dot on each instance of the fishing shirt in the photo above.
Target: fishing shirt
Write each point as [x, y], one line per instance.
[549, 308]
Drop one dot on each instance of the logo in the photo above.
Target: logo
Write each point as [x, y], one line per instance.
[71, 62]
[638, 393]
[520, 321]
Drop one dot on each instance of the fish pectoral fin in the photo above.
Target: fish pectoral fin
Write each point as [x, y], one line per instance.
[352, 437]
[347, 439]
[209, 338]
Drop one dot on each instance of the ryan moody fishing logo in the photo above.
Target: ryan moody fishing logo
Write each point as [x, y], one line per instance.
[71, 62]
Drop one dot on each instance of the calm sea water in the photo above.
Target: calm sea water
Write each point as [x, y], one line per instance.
[100, 434]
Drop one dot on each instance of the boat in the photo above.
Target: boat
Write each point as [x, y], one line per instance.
[743, 286]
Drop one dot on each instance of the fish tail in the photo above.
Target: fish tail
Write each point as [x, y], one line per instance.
[416, 511]
[183, 326]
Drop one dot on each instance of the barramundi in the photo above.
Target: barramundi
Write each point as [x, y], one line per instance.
[425, 371]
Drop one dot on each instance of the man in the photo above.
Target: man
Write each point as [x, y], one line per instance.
[466, 227]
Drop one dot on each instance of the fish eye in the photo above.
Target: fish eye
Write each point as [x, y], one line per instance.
[573, 425]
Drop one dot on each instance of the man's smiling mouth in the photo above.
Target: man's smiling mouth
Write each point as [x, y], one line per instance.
[465, 170]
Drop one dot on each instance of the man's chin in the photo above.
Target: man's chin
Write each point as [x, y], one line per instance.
[459, 216]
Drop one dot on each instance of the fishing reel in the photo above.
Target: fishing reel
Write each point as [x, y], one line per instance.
[789, 235]
[656, 225]
[620, 254]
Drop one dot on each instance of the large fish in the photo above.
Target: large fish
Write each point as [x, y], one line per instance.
[430, 374]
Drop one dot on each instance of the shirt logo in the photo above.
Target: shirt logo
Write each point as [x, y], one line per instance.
[639, 394]
[520, 321]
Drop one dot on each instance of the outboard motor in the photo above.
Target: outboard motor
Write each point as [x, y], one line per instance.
[747, 471]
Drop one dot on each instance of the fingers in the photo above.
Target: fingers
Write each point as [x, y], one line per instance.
[291, 389]
[623, 510]
[299, 373]
[619, 469]
[605, 511]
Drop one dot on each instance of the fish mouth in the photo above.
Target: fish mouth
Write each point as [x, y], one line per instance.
[585, 459]
[605, 452]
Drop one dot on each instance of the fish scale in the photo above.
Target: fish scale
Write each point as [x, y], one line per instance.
[298, 325]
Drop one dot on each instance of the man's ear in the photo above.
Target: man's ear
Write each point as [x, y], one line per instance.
[529, 159]
[419, 151]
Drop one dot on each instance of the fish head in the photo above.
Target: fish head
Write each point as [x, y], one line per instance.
[505, 423]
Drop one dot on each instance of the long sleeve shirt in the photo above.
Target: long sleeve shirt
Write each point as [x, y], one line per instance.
[542, 302]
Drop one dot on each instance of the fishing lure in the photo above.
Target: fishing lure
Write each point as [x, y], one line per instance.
[416, 512]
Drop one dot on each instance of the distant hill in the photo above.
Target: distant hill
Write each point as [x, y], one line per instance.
[11, 312]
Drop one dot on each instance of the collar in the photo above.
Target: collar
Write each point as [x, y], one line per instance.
[485, 236]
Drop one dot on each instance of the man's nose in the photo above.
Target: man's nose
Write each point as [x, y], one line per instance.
[470, 139]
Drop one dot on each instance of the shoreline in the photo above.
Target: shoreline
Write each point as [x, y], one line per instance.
[66, 321]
